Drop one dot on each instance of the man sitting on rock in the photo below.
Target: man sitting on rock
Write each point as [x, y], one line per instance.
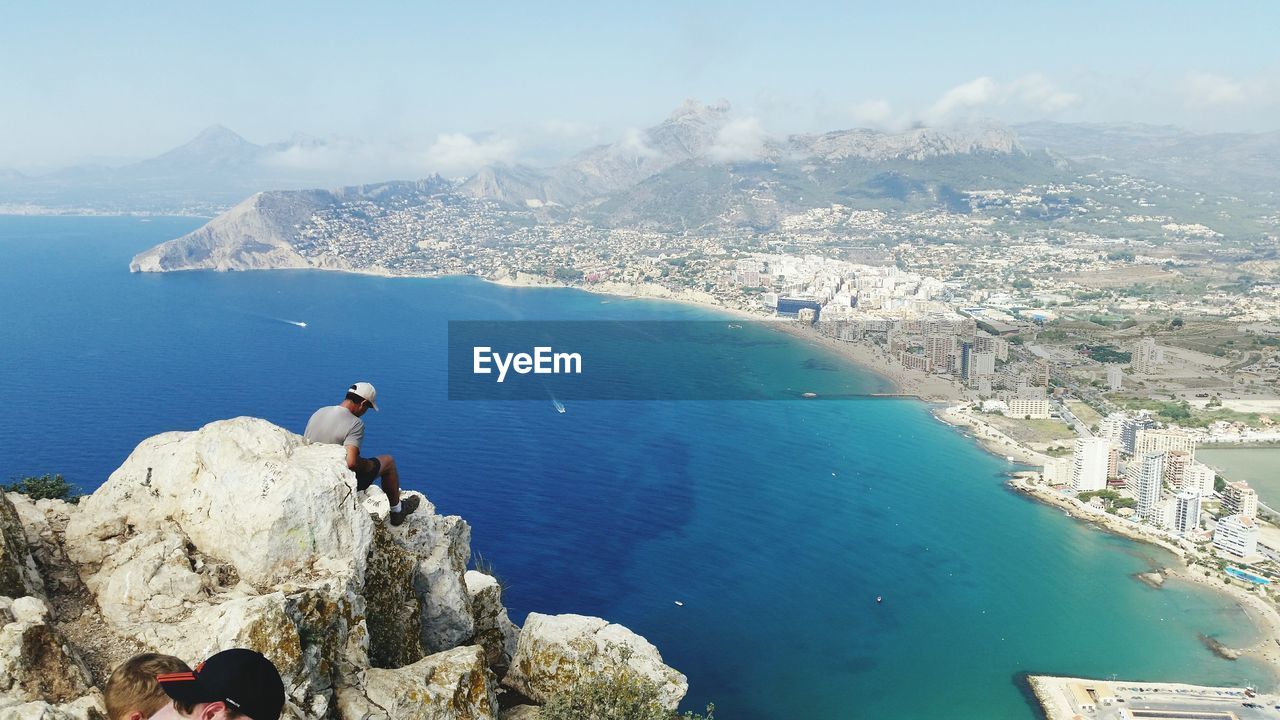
[233, 683]
[341, 425]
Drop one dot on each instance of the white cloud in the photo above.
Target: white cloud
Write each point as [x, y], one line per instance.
[1037, 91]
[1202, 88]
[1034, 93]
[976, 92]
[633, 145]
[875, 114]
[738, 140]
[460, 154]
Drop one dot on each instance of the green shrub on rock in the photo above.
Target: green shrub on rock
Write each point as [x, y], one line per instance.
[45, 487]
[623, 695]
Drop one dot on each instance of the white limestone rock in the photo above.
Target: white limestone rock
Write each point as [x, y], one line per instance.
[89, 707]
[494, 630]
[29, 610]
[557, 651]
[147, 579]
[241, 490]
[451, 685]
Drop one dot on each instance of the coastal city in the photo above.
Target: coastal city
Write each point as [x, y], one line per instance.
[1102, 365]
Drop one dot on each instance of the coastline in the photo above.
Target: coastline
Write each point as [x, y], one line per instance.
[943, 396]
[901, 381]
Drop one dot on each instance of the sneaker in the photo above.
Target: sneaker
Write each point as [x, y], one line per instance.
[407, 505]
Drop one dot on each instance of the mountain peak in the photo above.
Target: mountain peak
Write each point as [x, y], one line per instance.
[693, 110]
[218, 136]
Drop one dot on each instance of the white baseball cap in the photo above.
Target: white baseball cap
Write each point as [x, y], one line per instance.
[366, 391]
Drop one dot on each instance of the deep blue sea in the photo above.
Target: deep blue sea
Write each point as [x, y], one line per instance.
[776, 523]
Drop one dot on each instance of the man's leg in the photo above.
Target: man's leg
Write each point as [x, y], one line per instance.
[391, 486]
[390, 479]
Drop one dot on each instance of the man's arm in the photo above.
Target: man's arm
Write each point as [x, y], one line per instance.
[353, 458]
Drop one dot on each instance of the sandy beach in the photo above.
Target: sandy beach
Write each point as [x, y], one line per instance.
[995, 441]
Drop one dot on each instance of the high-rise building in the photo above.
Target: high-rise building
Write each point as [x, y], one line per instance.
[1240, 499]
[1111, 427]
[1150, 440]
[984, 364]
[1199, 477]
[1237, 535]
[1165, 513]
[964, 360]
[1175, 469]
[940, 349]
[1113, 461]
[1115, 378]
[1089, 465]
[1040, 374]
[1129, 432]
[1187, 512]
[1145, 477]
[1057, 471]
[1146, 356]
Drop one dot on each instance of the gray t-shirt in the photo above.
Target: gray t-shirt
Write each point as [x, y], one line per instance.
[336, 425]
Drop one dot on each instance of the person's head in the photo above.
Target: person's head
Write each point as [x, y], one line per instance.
[231, 684]
[360, 397]
[132, 692]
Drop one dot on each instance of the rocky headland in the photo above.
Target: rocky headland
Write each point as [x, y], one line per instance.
[241, 534]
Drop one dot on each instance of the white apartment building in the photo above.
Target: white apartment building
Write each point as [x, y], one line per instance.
[1198, 476]
[1089, 465]
[1165, 513]
[1237, 535]
[1115, 378]
[1111, 427]
[1146, 356]
[1186, 517]
[1057, 471]
[1150, 440]
[1144, 480]
[1037, 408]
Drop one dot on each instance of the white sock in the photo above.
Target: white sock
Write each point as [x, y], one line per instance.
[397, 507]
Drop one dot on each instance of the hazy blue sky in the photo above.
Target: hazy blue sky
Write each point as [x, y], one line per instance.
[462, 82]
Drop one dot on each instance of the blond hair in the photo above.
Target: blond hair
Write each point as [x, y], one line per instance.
[133, 687]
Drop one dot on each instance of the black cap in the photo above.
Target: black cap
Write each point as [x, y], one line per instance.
[245, 680]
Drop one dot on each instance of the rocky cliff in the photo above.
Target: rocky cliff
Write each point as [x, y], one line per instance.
[241, 534]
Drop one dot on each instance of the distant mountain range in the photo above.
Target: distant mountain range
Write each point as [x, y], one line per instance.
[214, 170]
[700, 166]
[697, 138]
[1246, 164]
[702, 170]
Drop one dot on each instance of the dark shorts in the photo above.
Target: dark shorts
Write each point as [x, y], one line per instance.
[364, 480]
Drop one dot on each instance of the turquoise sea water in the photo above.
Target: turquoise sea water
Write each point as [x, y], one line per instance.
[776, 523]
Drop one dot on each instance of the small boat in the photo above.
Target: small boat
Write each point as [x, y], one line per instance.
[679, 604]
[559, 405]
[734, 327]
[879, 599]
